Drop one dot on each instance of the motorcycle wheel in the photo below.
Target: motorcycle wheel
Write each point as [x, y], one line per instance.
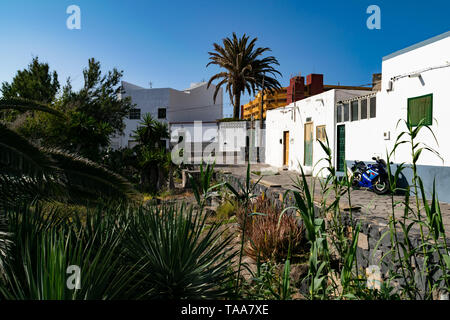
[381, 185]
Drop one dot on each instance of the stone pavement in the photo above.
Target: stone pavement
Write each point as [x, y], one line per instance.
[374, 208]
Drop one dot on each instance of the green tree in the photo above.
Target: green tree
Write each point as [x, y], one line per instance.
[35, 83]
[29, 172]
[244, 69]
[93, 115]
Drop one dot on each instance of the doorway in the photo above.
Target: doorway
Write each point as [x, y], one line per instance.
[286, 148]
[340, 156]
[308, 144]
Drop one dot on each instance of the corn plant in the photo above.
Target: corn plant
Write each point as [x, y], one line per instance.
[243, 196]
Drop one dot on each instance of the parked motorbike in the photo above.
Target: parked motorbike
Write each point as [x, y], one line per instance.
[371, 176]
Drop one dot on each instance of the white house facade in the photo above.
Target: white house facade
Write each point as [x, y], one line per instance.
[178, 108]
[292, 132]
[361, 125]
[415, 82]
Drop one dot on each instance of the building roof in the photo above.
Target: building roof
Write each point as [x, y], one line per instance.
[417, 45]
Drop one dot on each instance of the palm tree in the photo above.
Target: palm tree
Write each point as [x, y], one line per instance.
[245, 71]
[29, 172]
[151, 151]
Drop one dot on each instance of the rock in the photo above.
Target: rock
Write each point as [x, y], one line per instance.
[298, 272]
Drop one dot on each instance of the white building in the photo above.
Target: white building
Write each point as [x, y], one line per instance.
[415, 81]
[177, 108]
[292, 132]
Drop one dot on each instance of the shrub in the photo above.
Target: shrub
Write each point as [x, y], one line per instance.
[268, 239]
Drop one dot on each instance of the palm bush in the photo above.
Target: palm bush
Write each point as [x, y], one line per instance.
[183, 258]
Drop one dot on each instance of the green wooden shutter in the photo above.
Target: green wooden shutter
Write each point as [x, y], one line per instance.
[421, 108]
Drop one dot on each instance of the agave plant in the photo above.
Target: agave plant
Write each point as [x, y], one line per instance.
[182, 258]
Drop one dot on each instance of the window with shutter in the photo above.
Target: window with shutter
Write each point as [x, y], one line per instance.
[364, 109]
[373, 107]
[420, 108]
[339, 113]
[321, 133]
[354, 107]
[346, 112]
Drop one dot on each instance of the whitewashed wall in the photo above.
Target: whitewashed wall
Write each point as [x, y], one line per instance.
[321, 109]
[193, 104]
[232, 136]
[364, 138]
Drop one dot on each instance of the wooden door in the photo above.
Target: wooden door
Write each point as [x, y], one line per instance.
[308, 144]
[340, 152]
[285, 148]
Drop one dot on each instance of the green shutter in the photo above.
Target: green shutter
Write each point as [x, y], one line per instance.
[421, 108]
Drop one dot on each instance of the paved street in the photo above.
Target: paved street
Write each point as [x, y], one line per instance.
[374, 208]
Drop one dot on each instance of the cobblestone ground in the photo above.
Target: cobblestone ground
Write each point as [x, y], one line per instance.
[372, 207]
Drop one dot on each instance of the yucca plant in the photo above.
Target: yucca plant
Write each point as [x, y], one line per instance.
[45, 243]
[182, 258]
[202, 186]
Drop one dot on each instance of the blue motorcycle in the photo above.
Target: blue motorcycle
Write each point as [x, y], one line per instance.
[371, 176]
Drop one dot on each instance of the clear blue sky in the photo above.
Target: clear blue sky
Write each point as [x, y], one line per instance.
[166, 42]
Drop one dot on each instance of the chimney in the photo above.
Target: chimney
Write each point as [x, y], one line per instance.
[314, 82]
[296, 89]
[376, 82]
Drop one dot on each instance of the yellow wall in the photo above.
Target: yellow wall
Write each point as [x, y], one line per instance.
[271, 101]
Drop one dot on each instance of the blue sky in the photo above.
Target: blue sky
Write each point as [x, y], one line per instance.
[167, 42]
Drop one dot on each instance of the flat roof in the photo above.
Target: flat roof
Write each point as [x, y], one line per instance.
[417, 45]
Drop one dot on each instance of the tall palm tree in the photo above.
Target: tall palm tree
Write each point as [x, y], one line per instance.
[244, 71]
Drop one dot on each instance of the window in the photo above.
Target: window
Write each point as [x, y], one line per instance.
[346, 115]
[135, 114]
[364, 109]
[420, 108]
[339, 113]
[321, 133]
[373, 107]
[161, 113]
[354, 110]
